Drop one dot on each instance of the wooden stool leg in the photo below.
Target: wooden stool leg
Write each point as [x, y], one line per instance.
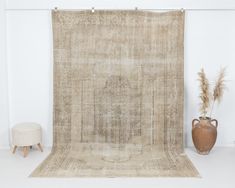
[14, 150]
[40, 147]
[25, 151]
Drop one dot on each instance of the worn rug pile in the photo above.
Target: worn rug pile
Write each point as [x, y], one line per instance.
[118, 95]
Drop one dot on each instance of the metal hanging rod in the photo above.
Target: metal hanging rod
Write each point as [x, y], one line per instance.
[136, 8]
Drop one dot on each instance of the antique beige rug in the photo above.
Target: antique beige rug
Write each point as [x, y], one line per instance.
[118, 95]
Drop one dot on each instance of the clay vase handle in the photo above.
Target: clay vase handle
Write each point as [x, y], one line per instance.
[193, 122]
[216, 122]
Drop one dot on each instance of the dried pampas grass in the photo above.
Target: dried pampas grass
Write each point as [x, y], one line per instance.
[204, 95]
[217, 93]
[219, 86]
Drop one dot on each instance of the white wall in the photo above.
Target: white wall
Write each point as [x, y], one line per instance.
[209, 43]
[3, 80]
[29, 53]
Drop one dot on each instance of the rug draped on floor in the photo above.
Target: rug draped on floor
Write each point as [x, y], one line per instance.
[118, 95]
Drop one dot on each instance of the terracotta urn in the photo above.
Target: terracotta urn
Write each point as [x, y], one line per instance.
[204, 134]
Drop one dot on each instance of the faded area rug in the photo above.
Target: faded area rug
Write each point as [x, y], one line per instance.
[118, 95]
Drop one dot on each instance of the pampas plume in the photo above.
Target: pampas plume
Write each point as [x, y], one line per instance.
[204, 95]
[219, 86]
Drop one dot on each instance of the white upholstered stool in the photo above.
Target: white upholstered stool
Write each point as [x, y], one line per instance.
[26, 135]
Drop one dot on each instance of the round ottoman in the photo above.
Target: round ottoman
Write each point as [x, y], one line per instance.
[26, 135]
